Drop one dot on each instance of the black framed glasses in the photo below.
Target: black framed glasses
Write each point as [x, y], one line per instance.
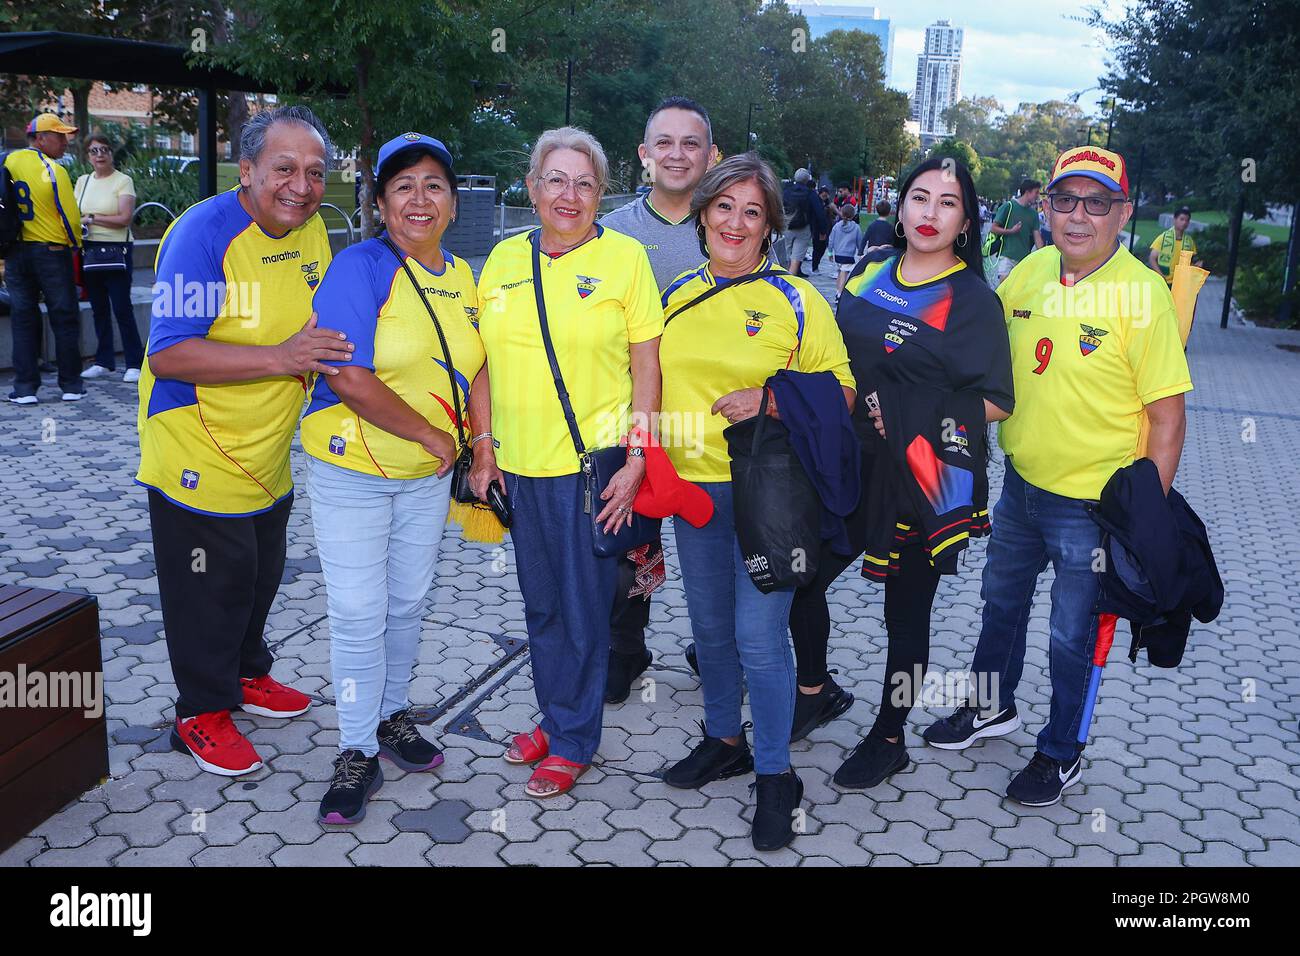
[1092, 205]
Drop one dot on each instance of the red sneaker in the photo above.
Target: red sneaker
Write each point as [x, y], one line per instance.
[267, 697]
[216, 744]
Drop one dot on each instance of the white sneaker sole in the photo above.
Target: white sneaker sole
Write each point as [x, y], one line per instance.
[1048, 803]
[267, 712]
[222, 771]
[993, 730]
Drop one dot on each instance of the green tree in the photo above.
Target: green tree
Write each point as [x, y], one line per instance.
[406, 64]
[973, 120]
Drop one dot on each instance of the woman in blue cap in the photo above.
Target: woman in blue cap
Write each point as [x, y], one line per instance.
[381, 439]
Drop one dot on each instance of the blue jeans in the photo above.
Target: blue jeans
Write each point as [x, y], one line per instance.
[33, 270]
[378, 542]
[110, 295]
[738, 630]
[1032, 527]
[568, 596]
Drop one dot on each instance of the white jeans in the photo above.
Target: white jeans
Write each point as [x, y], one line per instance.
[378, 542]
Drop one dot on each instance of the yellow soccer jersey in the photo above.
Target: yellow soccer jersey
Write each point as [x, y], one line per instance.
[1170, 247]
[1086, 358]
[224, 449]
[600, 298]
[367, 295]
[46, 205]
[736, 339]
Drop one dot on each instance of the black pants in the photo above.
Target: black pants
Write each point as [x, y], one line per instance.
[36, 270]
[909, 598]
[819, 250]
[217, 578]
[110, 295]
[630, 616]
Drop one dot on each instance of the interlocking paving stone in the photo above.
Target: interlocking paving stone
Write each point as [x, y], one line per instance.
[1194, 766]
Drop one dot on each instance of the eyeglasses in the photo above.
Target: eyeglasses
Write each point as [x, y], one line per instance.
[556, 183]
[99, 151]
[1092, 205]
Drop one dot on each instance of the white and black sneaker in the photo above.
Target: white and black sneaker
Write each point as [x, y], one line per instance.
[1040, 784]
[967, 725]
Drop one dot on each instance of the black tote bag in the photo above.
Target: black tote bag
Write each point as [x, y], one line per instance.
[778, 513]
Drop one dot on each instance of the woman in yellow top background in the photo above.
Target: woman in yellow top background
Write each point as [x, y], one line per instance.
[106, 199]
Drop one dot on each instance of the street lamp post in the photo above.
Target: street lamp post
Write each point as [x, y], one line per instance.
[749, 124]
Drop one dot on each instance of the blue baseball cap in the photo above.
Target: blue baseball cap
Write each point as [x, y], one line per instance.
[433, 147]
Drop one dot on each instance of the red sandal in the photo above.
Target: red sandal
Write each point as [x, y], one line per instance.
[532, 747]
[564, 781]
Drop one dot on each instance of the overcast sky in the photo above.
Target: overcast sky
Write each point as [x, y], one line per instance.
[1015, 50]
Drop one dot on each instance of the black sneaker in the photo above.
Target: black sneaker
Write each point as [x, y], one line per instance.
[871, 761]
[1041, 782]
[779, 795]
[813, 710]
[623, 670]
[691, 659]
[402, 744]
[356, 777]
[966, 725]
[712, 759]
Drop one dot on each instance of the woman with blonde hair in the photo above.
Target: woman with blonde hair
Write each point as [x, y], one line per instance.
[570, 320]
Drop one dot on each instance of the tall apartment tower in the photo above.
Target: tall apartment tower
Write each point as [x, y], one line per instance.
[938, 79]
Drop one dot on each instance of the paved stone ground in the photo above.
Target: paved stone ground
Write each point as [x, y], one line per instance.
[1193, 766]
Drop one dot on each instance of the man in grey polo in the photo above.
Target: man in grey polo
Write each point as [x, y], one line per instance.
[677, 150]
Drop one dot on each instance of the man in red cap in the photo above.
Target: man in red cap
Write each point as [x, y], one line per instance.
[40, 264]
[1095, 348]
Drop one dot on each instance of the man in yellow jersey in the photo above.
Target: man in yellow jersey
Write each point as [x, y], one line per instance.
[41, 263]
[1094, 348]
[231, 345]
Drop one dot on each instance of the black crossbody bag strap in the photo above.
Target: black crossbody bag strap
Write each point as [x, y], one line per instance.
[442, 340]
[560, 390]
[753, 276]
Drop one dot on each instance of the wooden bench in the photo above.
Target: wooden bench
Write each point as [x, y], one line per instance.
[51, 752]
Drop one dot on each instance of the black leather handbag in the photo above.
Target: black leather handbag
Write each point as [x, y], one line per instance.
[103, 256]
[460, 488]
[599, 465]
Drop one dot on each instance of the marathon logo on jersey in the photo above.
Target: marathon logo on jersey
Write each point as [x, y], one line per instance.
[281, 257]
[754, 322]
[1020, 313]
[337, 445]
[189, 479]
[1090, 339]
[310, 274]
[897, 300]
[586, 285]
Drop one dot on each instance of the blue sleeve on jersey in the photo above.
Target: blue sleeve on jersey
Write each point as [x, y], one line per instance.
[354, 289]
[190, 287]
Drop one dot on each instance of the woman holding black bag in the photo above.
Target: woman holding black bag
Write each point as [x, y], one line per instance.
[382, 437]
[732, 323]
[106, 199]
[929, 349]
[571, 323]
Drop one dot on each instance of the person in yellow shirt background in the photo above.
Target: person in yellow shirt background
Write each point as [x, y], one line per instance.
[1094, 348]
[40, 265]
[604, 318]
[716, 358]
[1166, 247]
[106, 200]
